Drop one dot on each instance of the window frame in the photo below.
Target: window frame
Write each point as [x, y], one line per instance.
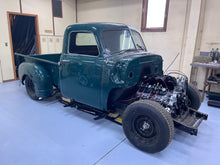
[134, 30]
[82, 31]
[144, 18]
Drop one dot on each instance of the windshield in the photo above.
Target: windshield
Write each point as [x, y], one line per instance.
[116, 41]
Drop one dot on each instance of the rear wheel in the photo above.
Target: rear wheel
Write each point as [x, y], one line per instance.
[148, 126]
[194, 97]
[30, 88]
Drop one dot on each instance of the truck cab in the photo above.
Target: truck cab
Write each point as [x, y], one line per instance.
[98, 59]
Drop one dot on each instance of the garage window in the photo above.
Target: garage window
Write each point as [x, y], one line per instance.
[154, 15]
[57, 8]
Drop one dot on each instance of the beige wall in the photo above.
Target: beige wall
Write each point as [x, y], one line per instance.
[210, 36]
[122, 11]
[5, 51]
[168, 44]
[42, 8]
[193, 24]
[211, 28]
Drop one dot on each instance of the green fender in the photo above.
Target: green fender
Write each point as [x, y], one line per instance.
[40, 77]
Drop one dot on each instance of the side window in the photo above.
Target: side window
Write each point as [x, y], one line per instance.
[83, 43]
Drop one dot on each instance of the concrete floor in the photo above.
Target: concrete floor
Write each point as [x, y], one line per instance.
[46, 133]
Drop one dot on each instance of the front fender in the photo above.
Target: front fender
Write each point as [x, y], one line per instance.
[118, 73]
[40, 77]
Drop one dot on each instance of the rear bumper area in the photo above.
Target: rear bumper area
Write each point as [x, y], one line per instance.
[190, 121]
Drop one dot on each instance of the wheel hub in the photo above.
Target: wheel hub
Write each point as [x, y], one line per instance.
[144, 127]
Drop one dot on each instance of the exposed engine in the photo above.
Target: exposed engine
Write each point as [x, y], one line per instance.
[169, 91]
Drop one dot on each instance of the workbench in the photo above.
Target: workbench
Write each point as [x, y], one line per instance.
[208, 66]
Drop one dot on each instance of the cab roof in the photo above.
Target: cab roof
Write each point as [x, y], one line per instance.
[98, 26]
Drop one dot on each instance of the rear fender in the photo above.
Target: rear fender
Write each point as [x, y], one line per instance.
[40, 77]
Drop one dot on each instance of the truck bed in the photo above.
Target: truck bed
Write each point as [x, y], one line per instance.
[48, 61]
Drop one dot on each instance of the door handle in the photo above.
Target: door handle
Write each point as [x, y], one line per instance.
[65, 61]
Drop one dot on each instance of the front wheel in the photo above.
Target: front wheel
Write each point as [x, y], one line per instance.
[194, 97]
[148, 126]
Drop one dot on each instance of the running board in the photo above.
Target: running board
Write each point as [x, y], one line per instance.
[190, 121]
[114, 117]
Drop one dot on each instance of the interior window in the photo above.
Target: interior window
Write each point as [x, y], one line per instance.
[83, 43]
[154, 15]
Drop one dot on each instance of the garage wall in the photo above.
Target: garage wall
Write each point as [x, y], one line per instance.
[210, 37]
[69, 17]
[211, 28]
[5, 47]
[43, 8]
[168, 44]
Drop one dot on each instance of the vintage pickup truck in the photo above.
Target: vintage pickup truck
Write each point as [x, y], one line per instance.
[105, 69]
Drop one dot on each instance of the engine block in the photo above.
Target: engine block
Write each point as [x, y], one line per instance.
[169, 91]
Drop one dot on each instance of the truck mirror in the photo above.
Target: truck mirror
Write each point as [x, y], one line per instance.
[106, 53]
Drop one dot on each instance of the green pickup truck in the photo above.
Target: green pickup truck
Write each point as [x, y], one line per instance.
[105, 69]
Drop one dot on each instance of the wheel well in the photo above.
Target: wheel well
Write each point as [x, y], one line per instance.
[113, 96]
[117, 94]
[146, 70]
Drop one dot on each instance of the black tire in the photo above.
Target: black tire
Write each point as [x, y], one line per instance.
[194, 97]
[30, 88]
[148, 126]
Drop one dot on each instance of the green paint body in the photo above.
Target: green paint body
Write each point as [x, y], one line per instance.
[88, 79]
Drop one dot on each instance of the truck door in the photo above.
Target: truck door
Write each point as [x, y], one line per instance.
[81, 69]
